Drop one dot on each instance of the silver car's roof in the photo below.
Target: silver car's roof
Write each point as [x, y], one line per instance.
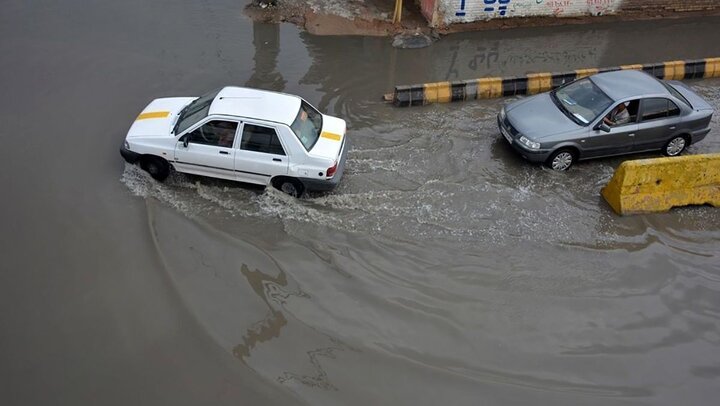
[627, 83]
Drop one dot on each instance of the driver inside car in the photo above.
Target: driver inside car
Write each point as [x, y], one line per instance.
[618, 116]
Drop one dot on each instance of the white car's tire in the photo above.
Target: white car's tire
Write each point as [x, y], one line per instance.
[157, 167]
[291, 186]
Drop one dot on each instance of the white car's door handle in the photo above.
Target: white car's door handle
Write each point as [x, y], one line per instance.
[277, 159]
[224, 152]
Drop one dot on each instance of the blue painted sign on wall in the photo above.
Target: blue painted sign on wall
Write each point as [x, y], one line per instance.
[490, 6]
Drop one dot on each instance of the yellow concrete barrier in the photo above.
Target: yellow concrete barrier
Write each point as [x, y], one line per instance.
[659, 184]
[439, 92]
[712, 67]
[489, 88]
[539, 82]
[674, 70]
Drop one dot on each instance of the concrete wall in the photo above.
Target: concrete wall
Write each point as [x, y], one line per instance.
[462, 11]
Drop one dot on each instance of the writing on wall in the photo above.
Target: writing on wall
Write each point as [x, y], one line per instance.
[458, 11]
[471, 59]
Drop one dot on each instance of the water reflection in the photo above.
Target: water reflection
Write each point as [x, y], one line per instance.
[269, 327]
[266, 42]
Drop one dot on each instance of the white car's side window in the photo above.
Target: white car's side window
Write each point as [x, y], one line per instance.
[217, 133]
[261, 139]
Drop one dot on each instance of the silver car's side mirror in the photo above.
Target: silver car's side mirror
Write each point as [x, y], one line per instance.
[603, 127]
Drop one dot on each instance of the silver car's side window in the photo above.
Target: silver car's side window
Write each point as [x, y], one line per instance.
[658, 107]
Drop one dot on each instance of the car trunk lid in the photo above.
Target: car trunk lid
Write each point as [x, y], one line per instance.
[331, 139]
[697, 102]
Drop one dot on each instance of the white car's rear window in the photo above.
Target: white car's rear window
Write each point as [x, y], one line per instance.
[307, 125]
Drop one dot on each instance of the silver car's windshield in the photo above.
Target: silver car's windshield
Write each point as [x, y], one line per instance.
[582, 101]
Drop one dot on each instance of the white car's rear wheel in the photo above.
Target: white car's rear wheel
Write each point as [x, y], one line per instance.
[291, 186]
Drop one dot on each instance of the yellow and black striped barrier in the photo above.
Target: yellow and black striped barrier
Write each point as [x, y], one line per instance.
[491, 87]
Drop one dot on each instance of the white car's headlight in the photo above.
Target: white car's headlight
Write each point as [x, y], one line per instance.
[529, 143]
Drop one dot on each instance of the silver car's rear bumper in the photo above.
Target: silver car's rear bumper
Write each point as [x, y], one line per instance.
[699, 135]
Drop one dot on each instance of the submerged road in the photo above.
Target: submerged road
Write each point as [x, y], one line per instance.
[444, 270]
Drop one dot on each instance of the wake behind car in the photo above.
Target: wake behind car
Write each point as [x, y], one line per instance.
[607, 114]
[241, 134]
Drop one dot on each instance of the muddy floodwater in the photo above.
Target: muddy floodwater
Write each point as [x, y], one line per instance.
[444, 269]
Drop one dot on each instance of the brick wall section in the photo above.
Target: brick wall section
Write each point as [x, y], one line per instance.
[668, 6]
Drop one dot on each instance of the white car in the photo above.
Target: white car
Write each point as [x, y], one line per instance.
[241, 134]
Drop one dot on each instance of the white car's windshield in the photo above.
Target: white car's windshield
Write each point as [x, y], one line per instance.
[582, 100]
[194, 112]
[307, 125]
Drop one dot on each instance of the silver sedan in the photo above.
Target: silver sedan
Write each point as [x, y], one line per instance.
[607, 114]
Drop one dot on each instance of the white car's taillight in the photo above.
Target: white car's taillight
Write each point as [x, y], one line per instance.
[331, 170]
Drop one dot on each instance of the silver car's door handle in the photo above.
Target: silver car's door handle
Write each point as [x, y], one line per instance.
[631, 135]
[672, 127]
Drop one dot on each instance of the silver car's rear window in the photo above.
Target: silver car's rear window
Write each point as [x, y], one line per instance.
[675, 93]
[582, 101]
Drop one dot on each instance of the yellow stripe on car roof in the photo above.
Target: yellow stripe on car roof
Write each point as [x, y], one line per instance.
[153, 114]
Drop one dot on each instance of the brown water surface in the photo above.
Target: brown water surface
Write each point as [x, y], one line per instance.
[445, 269]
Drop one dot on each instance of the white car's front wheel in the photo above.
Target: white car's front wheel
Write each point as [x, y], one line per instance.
[157, 167]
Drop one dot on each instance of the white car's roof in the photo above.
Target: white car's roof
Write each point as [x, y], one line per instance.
[254, 103]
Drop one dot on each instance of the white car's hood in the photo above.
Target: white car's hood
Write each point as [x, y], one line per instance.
[158, 117]
[331, 138]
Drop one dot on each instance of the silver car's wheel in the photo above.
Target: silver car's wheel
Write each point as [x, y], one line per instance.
[675, 146]
[561, 160]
